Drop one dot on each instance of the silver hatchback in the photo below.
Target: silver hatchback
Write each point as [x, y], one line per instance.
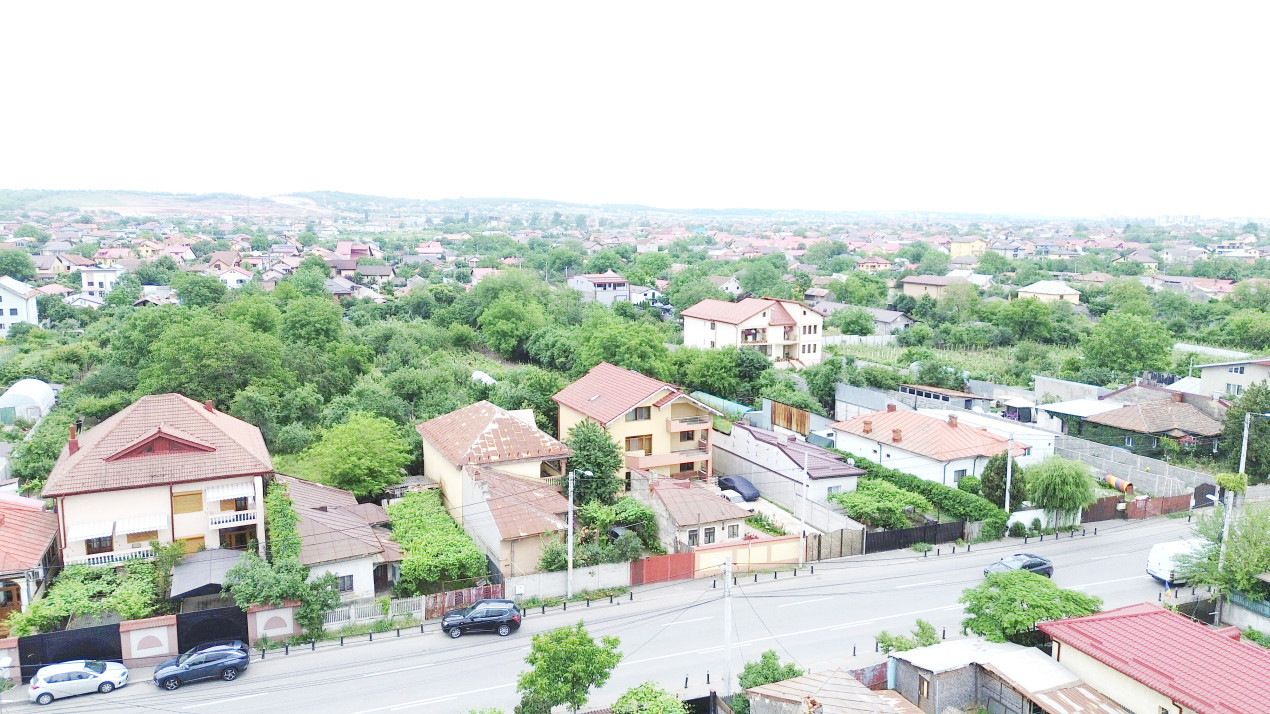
[80, 676]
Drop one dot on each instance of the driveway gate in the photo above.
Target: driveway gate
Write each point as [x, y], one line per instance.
[97, 642]
[222, 623]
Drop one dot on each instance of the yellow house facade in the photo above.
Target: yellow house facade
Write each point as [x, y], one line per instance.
[967, 247]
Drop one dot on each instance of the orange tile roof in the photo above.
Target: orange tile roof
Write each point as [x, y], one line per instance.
[237, 449]
[928, 436]
[734, 313]
[484, 433]
[608, 391]
[26, 532]
[521, 507]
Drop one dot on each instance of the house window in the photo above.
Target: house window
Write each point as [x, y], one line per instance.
[13, 311]
[959, 474]
[640, 443]
[105, 544]
[834, 489]
[923, 690]
[685, 468]
[1128, 441]
[234, 504]
[1234, 389]
[1236, 370]
[734, 531]
[710, 535]
[687, 435]
[712, 326]
[344, 583]
[692, 537]
[187, 502]
[639, 414]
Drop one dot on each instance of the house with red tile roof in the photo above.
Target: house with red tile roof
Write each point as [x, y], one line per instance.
[940, 450]
[28, 552]
[484, 434]
[509, 517]
[660, 427]
[1148, 659]
[788, 332]
[691, 514]
[165, 468]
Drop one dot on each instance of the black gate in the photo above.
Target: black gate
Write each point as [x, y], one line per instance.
[97, 642]
[1202, 491]
[222, 623]
[876, 542]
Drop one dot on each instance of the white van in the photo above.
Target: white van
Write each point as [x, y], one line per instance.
[1161, 562]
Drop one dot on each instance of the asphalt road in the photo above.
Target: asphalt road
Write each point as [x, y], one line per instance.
[669, 633]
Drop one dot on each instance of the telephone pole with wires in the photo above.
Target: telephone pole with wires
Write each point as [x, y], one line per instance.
[727, 626]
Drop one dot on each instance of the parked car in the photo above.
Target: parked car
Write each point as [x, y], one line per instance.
[80, 676]
[206, 661]
[501, 616]
[1162, 561]
[741, 485]
[1022, 561]
[736, 498]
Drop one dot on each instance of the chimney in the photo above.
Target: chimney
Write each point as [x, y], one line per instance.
[896, 434]
[208, 406]
[1177, 397]
[868, 426]
[890, 407]
[952, 420]
[73, 444]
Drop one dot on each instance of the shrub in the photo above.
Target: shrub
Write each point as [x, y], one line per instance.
[970, 484]
[1036, 524]
[436, 548]
[761, 522]
[922, 547]
[1017, 530]
[879, 504]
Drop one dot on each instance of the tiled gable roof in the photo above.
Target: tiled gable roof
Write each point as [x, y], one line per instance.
[333, 526]
[521, 507]
[1160, 417]
[690, 504]
[607, 392]
[734, 313]
[1206, 670]
[483, 433]
[930, 437]
[27, 529]
[238, 449]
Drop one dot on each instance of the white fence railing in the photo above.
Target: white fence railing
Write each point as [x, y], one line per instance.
[370, 611]
[231, 518]
[112, 558]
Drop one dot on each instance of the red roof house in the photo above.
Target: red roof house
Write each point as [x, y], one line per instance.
[28, 551]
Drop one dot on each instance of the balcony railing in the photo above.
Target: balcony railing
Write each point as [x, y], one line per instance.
[114, 557]
[637, 459]
[676, 425]
[225, 519]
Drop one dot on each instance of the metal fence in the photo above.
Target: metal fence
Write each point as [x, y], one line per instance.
[879, 541]
[1146, 474]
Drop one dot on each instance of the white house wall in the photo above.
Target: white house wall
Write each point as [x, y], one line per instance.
[892, 456]
[362, 570]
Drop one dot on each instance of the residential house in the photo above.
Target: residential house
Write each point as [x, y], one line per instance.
[340, 536]
[1141, 257]
[17, 304]
[885, 322]
[55, 247]
[1001, 677]
[1145, 422]
[1095, 279]
[690, 514]
[874, 264]
[659, 427]
[96, 281]
[788, 332]
[828, 692]
[47, 267]
[29, 555]
[972, 246]
[1050, 291]
[645, 294]
[234, 277]
[940, 450]
[943, 396]
[380, 273]
[783, 467]
[727, 283]
[164, 468]
[917, 286]
[110, 256]
[1231, 378]
[605, 288]
[1148, 659]
[510, 516]
[222, 260]
[483, 434]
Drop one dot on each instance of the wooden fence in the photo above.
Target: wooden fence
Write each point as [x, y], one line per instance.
[436, 604]
[932, 533]
[835, 544]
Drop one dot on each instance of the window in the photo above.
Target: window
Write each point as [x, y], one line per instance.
[234, 504]
[105, 544]
[923, 690]
[710, 535]
[834, 489]
[344, 583]
[236, 538]
[173, 446]
[712, 326]
[692, 537]
[959, 474]
[1234, 389]
[687, 435]
[734, 531]
[640, 443]
[13, 311]
[187, 502]
[686, 467]
[1236, 370]
[639, 414]
[1128, 441]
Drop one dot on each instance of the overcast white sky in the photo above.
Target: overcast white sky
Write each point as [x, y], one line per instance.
[1074, 109]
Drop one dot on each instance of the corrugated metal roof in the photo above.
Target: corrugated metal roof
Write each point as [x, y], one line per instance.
[837, 692]
[521, 507]
[690, 504]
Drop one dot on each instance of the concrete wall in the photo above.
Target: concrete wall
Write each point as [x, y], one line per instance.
[439, 469]
[543, 585]
[148, 641]
[276, 623]
[1063, 390]
[1126, 692]
[9, 649]
[759, 554]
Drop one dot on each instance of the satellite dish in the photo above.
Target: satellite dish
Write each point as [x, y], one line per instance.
[850, 462]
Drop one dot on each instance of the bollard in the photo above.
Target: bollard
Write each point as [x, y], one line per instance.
[774, 574]
[1160, 596]
[632, 597]
[714, 584]
[1073, 534]
[853, 650]
[1042, 538]
[734, 580]
[813, 570]
[875, 645]
[925, 553]
[565, 608]
[262, 653]
[1082, 532]
[371, 635]
[399, 632]
[313, 646]
[1024, 540]
[544, 609]
[756, 577]
[341, 640]
[286, 649]
[954, 551]
[588, 602]
[1095, 530]
[967, 547]
[937, 551]
[610, 599]
[685, 681]
[943, 634]
[707, 676]
[795, 572]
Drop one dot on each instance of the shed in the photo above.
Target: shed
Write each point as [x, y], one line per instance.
[203, 572]
[29, 399]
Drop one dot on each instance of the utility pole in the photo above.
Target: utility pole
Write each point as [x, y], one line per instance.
[1243, 449]
[568, 589]
[727, 626]
[1009, 471]
[802, 515]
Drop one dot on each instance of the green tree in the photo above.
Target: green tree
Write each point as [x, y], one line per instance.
[312, 321]
[639, 346]
[26, 230]
[125, 291]
[648, 698]
[196, 290]
[16, 263]
[364, 455]
[992, 483]
[1247, 551]
[761, 279]
[595, 451]
[1029, 319]
[766, 670]
[822, 380]
[923, 635]
[566, 663]
[209, 358]
[1255, 399]
[1010, 603]
[1060, 486]
[1128, 344]
[509, 322]
[851, 321]
[255, 311]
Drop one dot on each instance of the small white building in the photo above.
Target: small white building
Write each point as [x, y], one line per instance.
[690, 514]
[605, 288]
[788, 332]
[98, 280]
[29, 399]
[17, 304]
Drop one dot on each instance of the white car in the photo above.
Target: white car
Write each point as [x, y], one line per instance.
[80, 676]
[736, 498]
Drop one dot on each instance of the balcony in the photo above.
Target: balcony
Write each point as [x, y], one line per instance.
[640, 460]
[676, 425]
[114, 557]
[229, 519]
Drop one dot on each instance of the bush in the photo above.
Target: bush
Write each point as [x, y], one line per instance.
[293, 438]
[954, 502]
[1017, 530]
[1036, 524]
[761, 522]
[923, 547]
[970, 484]
[879, 504]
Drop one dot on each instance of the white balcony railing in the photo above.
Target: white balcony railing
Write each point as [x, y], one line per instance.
[114, 557]
[225, 519]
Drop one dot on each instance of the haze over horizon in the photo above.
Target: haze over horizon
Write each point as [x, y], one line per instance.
[1088, 110]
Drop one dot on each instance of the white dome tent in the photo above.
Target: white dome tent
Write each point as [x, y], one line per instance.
[29, 399]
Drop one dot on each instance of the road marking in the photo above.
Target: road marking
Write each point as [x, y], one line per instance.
[801, 602]
[432, 700]
[394, 671]
[914, 585]
[680, 622]
[853, 624]
[225, 701]
[1104, 557]
[1104, 582]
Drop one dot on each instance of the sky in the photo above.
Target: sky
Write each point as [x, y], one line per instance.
[1071, 109]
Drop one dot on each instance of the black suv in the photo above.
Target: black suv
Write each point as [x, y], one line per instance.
[211, 659]
[1022, 561]
[501, 616]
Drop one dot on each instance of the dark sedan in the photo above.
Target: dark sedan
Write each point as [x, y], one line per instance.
[1022, 561]
[225, 661]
